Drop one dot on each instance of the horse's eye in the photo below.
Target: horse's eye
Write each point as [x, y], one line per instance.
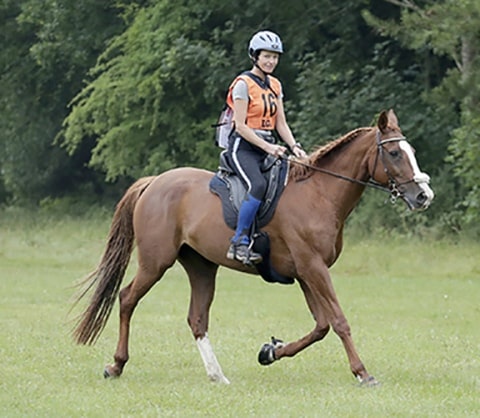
[394, 153]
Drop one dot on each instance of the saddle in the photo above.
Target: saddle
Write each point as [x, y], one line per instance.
[231, 190]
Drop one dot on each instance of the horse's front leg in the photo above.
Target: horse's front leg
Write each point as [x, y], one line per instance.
[323, 304]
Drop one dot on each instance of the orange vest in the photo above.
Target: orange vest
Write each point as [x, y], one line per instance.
[262, 104]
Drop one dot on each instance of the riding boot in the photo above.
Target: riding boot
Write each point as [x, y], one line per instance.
[239, 249]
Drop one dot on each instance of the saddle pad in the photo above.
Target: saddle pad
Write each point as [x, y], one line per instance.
[232, 191]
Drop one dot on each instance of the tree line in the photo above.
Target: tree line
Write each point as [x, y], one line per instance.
[96, 94]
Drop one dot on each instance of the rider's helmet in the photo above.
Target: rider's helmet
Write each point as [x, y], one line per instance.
[264, 41]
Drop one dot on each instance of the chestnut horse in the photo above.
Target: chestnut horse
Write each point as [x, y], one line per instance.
[174, 216]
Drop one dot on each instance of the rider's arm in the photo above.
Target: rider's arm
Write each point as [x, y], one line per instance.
[285, 132]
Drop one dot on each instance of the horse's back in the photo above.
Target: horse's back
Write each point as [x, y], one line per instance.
[179, 206]
[171, 188]
[183, 176]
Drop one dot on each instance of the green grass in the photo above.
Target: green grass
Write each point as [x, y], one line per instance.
[413, 307]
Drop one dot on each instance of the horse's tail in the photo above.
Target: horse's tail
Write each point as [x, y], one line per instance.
[108, 275]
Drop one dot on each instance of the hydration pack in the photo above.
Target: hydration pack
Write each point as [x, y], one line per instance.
[224, 127]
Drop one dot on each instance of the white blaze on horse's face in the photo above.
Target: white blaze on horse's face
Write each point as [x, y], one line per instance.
[420, 178]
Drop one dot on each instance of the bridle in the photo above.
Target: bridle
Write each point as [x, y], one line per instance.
[393, 185]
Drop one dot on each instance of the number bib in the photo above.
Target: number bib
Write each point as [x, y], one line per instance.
[262, 104]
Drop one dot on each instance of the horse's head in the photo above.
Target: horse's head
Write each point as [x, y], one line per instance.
[394, 164]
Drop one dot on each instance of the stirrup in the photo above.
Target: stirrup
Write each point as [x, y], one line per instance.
[244, 254]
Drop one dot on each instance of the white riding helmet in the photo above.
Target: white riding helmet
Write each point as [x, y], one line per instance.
[264, 41]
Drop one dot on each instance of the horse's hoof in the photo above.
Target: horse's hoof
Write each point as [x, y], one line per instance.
[108, 372]
[266, 356]
[369, 382]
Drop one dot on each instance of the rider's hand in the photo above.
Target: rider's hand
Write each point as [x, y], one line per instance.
[298, 151]
[276, 150]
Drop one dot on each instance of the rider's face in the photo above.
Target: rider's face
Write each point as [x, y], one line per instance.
[267, 61]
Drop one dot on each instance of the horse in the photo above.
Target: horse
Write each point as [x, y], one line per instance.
[174, 216]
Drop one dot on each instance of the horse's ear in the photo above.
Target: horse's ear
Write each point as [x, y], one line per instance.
[382, 122]
[392, 118]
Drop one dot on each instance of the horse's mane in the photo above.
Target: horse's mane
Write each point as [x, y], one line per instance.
[303, 170]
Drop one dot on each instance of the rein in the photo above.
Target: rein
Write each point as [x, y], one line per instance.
[392, 188]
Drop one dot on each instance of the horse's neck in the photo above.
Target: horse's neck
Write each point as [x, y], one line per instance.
[350, 162]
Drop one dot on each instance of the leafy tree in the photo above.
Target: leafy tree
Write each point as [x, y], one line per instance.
[145, 105]
[45, 49]
[434, 25]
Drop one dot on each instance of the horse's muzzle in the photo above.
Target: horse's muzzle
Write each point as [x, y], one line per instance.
[418, 195]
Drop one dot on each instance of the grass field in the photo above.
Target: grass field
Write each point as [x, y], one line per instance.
[413, 306]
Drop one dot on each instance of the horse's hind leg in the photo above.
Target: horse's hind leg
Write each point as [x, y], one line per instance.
[201, 274]
[129, 298]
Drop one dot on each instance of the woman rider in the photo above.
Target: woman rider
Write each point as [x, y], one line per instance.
[256, 98]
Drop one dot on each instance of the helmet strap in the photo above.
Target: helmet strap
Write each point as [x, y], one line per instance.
[255, 60]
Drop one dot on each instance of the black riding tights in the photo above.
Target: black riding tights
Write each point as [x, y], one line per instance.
[247, 159]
